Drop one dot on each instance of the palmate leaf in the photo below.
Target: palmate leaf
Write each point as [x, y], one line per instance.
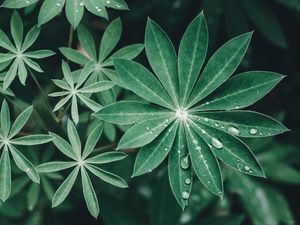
[74, 8]
[201, 137]
[82, 163]
[18, 58]
[7, 145]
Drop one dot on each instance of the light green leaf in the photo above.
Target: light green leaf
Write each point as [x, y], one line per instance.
[16, 4]
[74, 110]
[74, 56]
[89, 103]
[5, 118]
[150, 156]
[51, 167]
[36, 139]
[86, 39]
[31, 37]
[74, 12]
[39, 54]
[16, 26]
[191, 56]
[230, 150]
[96, 7]
[204, 162]
[49, 10]
[33, 196]
[92, 140]
[220, 67]
[107, 157]
[67, 74]
[63, 146]
[74, 139]
[89, 194]
[22, 72]
[180, 177]
[10, 75]
[65, 188]
[61, 103]
[242, 123]
[116, 4]
[129, 52]
[241, 91]
[33, 65]
[97, 87]
[142, 82]
[6, 57]
[20, 121]
[130, 112]
[145, 132]
[5, 175]
[110, 39]
[24, 164]
[162, 58]
[6, 43]
[107, 176]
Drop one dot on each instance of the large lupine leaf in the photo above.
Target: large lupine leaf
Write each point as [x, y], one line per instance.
[5, 175]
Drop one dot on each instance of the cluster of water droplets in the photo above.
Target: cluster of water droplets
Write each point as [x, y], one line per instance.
[241, 167]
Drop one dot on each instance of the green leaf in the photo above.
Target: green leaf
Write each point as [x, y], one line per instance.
[130, 112]
[65, 188]
[20, 121]
[74, 110]
[145, 132]
[24, 164]
[223, 220]
[241, 91]
[51, 167]
[86, 40]
[204, 162]
[266, 22]
[142, 82]
[33, 65]
[33, 196]
[150, 156]
[36, 139]
[22, 72]
[74, 12]
[89, 103]
[74, 56]
[106, 157]
[62, 84]
[116, 4]
[96, 7]
[110, 39]
[63, 146]
[61, 103]
[6, 57]
[220, 67]
[5, 175]
[191, 56]
[16, 26]
[10, 75]
[49, 10]
[31, 37]
[107, 176]
[6, 43]
[97, 87]
[74, 139]
[162, 58]
[16, 4]
[129, 52]
[230, 150]
[180, 178]
[5, 118]
[89, 194]
[39, 54]
[67, 74]
[242, 123]
[92, 140]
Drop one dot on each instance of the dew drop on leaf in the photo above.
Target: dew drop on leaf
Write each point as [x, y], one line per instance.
[253, 131]
[185, 162]
[187, 181]
[216, 143]
[247, 168]
[185, 195]
[233, 130]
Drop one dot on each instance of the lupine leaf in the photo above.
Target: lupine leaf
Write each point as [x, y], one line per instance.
[35, 139]
[130, 112]
[74, 55]
[107, 157]
[5, 118]
[65, 188]
[5, 175]
[74, 12]
[15, 4]
[74, 139]
[51, 167]
[151, 155]
[63, 146]
[92, 140]
[89, 194]
[49, 10]
[16, 26]
[31, 37]
[87, 41]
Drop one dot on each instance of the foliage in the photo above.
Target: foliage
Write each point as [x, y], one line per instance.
[185, 119]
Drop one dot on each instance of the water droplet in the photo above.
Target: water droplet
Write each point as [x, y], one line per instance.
[236, 107]
[253, 131]
[195, 141]
[216, 124]
[185, 195]
[216, 143]
[166, 149]
[247, 168]
[185, 162]
[233, 130]
[206, 120]
[187, 181]
[147, 128]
